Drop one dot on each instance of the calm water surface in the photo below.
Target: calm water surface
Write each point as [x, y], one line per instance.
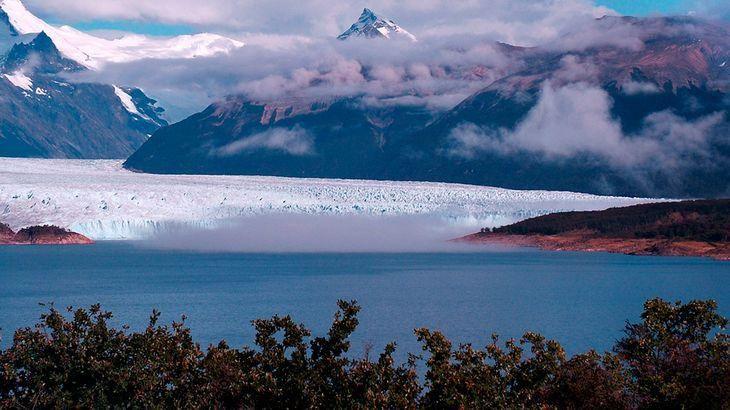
[580, 299]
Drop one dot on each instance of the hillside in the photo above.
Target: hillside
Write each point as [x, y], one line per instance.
[688, 228]
[706, 220]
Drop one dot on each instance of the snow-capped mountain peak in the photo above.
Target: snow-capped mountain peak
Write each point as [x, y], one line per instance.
[93, 52]
[371, 25]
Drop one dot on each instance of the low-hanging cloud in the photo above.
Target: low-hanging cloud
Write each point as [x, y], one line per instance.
[451, 60]
[436, 74]
[575, 120]
[294, 141]
[277, 233]
[637, 87]
[291, 51]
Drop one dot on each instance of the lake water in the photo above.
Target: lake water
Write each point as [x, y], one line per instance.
[580, 299]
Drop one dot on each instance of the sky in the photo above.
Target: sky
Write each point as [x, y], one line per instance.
[314, 17]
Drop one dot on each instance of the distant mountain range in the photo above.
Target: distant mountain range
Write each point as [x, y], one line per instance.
[45, 115]
[649, 120]
[610, 116]
[93, 52]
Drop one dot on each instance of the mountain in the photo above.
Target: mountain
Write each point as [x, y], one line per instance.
[641, 117]
[328, 138]
[41, 54]
[44, 114]
[299, 135]
[92, 52]
[656, 95]
[371, 25]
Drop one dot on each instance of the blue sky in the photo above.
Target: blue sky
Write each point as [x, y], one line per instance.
[150, 28]
[646, 7]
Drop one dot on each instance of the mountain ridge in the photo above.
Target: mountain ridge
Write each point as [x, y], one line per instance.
[93, 52]
[668, 95]
[44, 115]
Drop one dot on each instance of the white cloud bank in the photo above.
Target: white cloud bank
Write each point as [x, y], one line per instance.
[518, 21]
[293, 141]
[279, 233]
[575, 119]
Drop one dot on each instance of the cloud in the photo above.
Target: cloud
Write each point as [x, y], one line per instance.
[575, 120]
[575, 69]
[713, 9]
[604, 32]
[293, 141]
[517, 21]
[434, 73]
[320, 233]
[292, 53]
[634, 87]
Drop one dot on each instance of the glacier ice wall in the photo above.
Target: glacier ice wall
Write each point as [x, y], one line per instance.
[102, 200]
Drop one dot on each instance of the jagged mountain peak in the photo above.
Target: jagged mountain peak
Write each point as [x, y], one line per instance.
[372, 25]
[42, 54]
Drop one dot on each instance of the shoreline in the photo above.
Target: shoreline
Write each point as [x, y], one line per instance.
[585, 242]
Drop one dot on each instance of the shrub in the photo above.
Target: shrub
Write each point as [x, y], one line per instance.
[676, 357]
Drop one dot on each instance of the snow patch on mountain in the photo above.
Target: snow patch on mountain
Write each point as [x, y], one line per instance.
[93, 52]
[127, 102]
[20, 80]
[101, 200]
[371, 25]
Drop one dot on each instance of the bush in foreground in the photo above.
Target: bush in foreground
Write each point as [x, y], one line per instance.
[676, 357]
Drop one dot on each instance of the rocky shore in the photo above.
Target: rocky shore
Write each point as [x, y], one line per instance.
[589, 242]
[41, 235]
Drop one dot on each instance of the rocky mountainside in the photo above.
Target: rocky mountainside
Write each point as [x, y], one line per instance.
[330, 136]
[45, 114]
[638, 139]
[643, 112]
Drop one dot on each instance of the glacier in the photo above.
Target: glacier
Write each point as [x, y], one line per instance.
[102, 200]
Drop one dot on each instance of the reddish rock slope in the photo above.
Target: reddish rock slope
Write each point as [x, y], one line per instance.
[41, 235]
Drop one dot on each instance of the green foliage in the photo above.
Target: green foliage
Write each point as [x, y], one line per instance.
[676, 357]
[671, 357]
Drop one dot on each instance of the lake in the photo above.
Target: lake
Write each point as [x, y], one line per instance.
[579, 299]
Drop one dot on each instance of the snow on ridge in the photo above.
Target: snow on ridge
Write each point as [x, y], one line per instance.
[370, 25]
[93, 52]
[128, 103]
[20, 80]
[100, 199]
